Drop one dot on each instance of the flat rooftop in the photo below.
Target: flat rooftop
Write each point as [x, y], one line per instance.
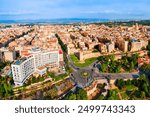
[18, 62]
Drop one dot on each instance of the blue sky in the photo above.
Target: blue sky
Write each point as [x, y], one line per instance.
[51, 9]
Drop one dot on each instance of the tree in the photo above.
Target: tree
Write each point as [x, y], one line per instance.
[52, 74]
[145, 67]
[143, 77]
[143, 95]
[118, 68]
[112, 67]
[145, 88]
[81, 94]
[112, 57]
[148, 53]
[148, 47]
[128, 82]
[70, 96]
[125, 62]
[120, 83]
[131, 66]
[103, 67]
[53, 93]
[101, 97]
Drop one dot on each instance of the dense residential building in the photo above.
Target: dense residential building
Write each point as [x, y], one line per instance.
[87, 40]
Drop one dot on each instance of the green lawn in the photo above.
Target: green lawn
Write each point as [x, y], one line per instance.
[74, 58]
[60, 77]
[57, 77]
[86, 63]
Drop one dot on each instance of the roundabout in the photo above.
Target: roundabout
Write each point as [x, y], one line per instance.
[84, 74]
[83, 77]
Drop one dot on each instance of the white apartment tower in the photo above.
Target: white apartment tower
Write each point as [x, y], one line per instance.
[23, 68]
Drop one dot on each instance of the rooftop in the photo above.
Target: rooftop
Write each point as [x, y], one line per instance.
[18, 62]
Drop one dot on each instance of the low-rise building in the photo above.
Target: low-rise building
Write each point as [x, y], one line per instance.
[110, 47]
[102, 48]
[123, 45]
[9, 55]
[137, 45]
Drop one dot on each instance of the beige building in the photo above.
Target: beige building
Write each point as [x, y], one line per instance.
[137, 45]
[110, 47]
[9, 55]
[90, 45]
[144, 43]
[102, 48]
[80, 55]
[123, 45]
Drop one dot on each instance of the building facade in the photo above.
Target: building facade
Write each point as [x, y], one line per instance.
[37, 59]
[22, 69]
[9, 55]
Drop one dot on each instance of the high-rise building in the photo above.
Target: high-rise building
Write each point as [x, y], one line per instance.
[37, 60]
[22, 69]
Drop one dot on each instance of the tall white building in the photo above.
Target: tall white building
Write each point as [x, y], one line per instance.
[23, 68]
[50, 58]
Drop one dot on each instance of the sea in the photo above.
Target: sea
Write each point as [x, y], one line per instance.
[59, 21]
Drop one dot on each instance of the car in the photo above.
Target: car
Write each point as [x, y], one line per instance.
[71, 74]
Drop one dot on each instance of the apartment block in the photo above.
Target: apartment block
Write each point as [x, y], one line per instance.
[22, 69]
[36, 61]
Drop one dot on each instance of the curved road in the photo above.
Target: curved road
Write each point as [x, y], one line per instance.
[95, 74]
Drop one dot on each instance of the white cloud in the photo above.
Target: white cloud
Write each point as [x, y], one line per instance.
[108, 11]
[20, 12]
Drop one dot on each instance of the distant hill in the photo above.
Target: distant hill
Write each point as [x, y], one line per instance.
[126, 23]
[79, 20]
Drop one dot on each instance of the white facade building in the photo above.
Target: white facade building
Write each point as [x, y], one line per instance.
[43, 58]
[23, 68]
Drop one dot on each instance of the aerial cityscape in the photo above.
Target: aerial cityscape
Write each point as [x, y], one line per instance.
[74, 58]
